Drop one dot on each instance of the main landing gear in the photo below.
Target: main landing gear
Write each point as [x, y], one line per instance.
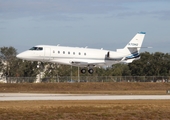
[40, 65]
[90, 70]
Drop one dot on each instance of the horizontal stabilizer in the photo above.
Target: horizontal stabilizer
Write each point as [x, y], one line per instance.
[127, 61]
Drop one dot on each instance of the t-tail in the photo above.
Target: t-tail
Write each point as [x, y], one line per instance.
[132, 48]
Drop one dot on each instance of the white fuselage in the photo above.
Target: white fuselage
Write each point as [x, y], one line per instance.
[85, 57]
[71, 55]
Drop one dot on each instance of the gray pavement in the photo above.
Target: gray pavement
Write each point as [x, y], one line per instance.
[32, 96]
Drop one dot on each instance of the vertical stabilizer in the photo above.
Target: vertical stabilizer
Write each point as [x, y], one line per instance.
[134, 45]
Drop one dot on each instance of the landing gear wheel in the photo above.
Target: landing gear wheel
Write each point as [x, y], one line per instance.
[83, 71]
[90, 71]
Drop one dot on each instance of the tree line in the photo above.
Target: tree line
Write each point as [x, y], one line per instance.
[150, 64]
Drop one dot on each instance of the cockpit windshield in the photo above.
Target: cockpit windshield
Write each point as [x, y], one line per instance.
[36, 48]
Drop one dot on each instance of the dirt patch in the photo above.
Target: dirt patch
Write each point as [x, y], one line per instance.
[88, 88]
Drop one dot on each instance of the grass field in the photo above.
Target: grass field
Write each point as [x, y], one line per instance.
[86, 110]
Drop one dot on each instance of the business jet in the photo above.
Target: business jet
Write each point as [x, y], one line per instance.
[85, 57]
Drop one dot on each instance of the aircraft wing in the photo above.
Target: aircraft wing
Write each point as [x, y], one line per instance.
[84, 63]
[79, 63]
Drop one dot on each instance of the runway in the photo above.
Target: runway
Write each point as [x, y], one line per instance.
[32, 96]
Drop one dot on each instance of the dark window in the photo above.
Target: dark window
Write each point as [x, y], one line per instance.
[33, 48]
[73, 53]
[84, 53]
[63, 52]
[58, 52]
[36, 48]
[39, 48]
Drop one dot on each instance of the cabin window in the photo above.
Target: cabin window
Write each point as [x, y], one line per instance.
[73, 53]
[58, 52]
[63, 52]
[68, 52]
[79, 53]
[84, 53]
[53, 51]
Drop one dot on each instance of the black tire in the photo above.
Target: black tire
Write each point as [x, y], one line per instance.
[83, 71]
[91, 71]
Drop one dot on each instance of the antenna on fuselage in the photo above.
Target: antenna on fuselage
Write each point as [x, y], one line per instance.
[58, 44]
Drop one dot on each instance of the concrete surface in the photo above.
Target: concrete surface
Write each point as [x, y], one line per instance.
[32, 96]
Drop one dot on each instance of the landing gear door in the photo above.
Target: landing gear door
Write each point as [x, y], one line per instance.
[47, 54]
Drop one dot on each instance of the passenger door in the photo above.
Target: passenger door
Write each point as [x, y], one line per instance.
[47, 54]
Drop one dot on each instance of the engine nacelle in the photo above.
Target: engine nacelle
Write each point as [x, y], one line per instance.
[114, 55]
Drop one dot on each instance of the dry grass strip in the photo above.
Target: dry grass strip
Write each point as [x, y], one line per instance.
[86, 110]
[88, 88]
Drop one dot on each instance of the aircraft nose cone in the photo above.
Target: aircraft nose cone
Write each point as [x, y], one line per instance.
[18, 56]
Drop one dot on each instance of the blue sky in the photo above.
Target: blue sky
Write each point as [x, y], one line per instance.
[107, 24]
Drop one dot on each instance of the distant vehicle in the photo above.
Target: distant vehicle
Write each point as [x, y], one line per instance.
[85, 57]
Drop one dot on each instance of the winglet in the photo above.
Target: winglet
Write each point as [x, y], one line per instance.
[142, 32]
